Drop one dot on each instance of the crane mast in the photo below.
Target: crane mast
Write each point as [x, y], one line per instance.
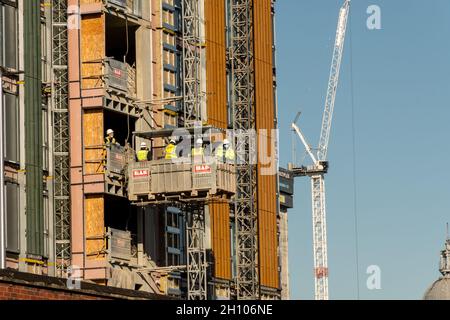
[320, 165]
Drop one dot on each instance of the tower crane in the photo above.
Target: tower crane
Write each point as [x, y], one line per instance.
[319, 168]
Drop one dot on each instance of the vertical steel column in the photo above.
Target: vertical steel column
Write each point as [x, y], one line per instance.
[244, 124]
[60, 96]
[196, 253]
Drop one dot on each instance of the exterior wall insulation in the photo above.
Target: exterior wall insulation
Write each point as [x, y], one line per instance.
[265, 119]
[216, 86]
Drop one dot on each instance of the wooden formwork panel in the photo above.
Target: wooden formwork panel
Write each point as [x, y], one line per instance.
[265, 115]
[216, 78]
[220, 239]
[93, 140]
[92, 49]
[95, 226]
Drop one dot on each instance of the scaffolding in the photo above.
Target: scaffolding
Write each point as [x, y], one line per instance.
[196, 253]
[192, 61]
[244, 124]
[60, 96]
[192, 103]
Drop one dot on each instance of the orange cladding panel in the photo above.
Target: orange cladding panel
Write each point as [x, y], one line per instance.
[216, 77]
[220, 239]
[217, 116]
[265, 115]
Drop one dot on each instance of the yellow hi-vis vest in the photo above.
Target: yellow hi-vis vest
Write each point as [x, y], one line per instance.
[109, 141]
[171, 151]
[142, 155]
[197, 152]
[229, 154]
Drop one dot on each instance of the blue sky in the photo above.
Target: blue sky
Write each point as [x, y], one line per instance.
[401, 111]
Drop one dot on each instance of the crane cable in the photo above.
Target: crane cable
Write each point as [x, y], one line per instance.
[355, 203]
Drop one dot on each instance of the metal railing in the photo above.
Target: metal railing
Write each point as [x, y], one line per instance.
[164, 177]
[121, 244]
[120, 76]
[110, 74]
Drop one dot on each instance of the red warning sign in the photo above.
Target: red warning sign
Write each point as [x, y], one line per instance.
[117, 72]
[140, 173]
[202, 169]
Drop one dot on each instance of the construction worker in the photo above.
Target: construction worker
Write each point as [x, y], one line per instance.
[109, 139]
[197, 151]
[225, 153]
[170, 152]
[109, 142]
[144, 153]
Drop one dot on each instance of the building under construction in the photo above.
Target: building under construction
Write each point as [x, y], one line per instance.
[76, 208]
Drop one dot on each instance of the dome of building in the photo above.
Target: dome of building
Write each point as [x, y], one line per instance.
[439, 290]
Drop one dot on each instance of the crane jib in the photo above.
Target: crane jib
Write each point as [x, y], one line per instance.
[333, 81]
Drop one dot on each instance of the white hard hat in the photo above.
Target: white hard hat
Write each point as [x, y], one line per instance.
[143, 145]
[226, 141]
[172, 140]
[199, 141]
[109, 131]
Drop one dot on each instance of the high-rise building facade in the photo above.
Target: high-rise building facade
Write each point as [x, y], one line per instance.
[73, 69]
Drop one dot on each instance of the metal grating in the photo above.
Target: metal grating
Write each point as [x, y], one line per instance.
[192, 61]
[243, 108]
[196, 253]
[192, 69]
[60, 96]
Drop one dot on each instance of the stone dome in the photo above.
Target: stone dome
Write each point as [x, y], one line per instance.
[439, 290]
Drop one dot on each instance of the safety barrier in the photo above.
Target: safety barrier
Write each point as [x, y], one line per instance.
[165, 178]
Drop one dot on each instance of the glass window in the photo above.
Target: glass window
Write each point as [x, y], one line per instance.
[173, 237]
[11, 124]
[12, 217]
[44, 52]
[46, 223]
[229, 100]
[9, 29]
[45, 145]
